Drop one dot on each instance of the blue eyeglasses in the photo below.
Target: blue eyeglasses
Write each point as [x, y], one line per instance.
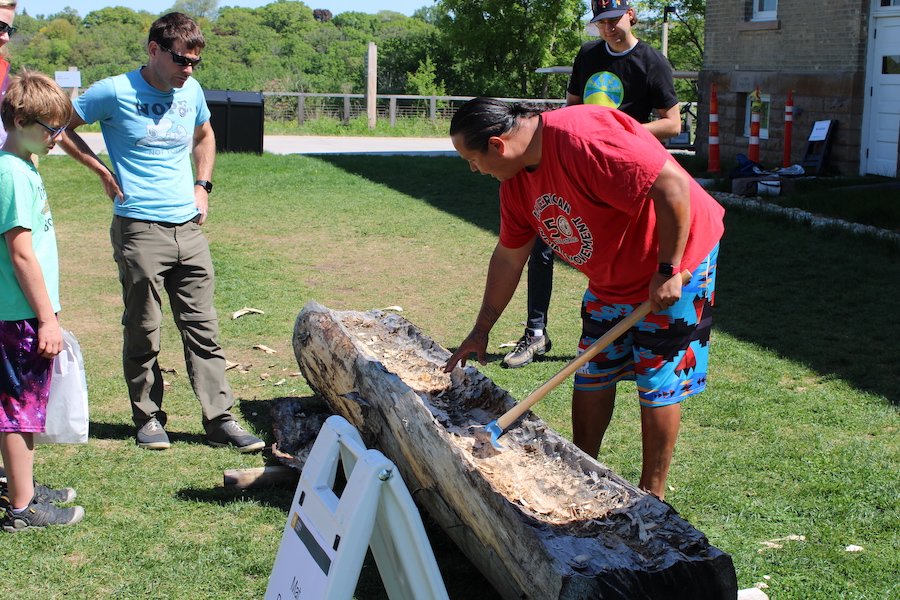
[181, 60]
[53, 132]
[7, 28]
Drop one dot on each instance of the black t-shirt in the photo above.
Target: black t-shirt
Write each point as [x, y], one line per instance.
[635, 83]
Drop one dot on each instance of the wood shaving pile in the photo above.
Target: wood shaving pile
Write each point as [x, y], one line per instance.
[543, 483]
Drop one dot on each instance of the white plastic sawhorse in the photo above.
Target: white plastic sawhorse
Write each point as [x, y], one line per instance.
[325, 540]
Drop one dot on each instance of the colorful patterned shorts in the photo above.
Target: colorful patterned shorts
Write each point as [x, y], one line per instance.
[24, 378]
[666, 353]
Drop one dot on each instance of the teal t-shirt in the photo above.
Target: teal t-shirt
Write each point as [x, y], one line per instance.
[23, 203]
[148, 134]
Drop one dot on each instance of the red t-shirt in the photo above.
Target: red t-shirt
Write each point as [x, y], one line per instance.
[587, 200]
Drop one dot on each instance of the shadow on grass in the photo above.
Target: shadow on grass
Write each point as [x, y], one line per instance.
[820, 298]
[445, 183]
[275, 497]
[126, 431]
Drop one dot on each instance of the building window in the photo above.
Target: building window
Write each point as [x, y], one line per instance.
[890, 2]
[763, 117]
[890, 65]
[765, 10]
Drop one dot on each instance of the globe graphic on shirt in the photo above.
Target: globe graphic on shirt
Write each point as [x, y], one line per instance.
[604, 89]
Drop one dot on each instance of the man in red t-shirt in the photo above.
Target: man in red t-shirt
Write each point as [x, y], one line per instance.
[599, 189]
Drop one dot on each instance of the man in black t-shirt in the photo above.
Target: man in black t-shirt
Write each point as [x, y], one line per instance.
[621, 71]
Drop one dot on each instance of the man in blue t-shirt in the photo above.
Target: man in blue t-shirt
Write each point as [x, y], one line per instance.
[619, 71]
[154, 122]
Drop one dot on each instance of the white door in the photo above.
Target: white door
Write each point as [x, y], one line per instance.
[883, 101]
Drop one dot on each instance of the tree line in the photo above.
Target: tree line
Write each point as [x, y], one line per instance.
[454, 47]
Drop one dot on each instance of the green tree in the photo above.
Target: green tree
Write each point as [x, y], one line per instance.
[287, 16]
[241, 52]
[429, 14]
[197, 9]
[110, 48]
[118, 14]
[423, 82]
[686, 32]
[59, 29]
[25, 25]
[400, 55]
[67, 14]
[497, 44]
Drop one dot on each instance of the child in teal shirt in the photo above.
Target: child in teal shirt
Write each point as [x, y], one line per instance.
[35, 110]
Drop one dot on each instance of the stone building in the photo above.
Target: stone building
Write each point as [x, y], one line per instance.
[840, 59]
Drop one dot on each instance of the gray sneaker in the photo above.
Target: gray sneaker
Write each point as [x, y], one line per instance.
[44, 494]
[230, 433]
[152, 436]
[39, 514]
[526, 349]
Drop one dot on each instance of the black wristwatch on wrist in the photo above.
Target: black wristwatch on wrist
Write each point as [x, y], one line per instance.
[666, 269]
[206, 185]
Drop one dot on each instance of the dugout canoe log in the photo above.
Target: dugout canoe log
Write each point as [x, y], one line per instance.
[540, 519]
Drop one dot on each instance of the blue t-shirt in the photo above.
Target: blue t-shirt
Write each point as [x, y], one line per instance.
[23, 203]
[148, 134]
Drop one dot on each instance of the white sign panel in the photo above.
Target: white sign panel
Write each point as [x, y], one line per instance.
[819, 131]
[68, 79]
[302, 564]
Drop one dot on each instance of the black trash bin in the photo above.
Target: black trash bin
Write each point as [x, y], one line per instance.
[237, 120]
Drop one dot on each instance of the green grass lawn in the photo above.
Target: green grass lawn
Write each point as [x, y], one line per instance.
[797, 434]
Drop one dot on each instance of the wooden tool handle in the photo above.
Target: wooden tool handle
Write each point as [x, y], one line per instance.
[590, 352]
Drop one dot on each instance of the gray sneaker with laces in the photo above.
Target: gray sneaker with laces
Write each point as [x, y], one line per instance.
[42, 493]
[152, 436]
[526, 349]
[230, 433]
[40, 514]
[46, 495]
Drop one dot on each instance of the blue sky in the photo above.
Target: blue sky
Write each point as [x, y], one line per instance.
[49, 7]
[406, 7]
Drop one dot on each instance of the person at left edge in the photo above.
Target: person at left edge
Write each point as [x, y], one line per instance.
[154, 121]
[34, 112]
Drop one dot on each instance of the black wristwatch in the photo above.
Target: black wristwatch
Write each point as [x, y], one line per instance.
[206, 185]
[666, 269]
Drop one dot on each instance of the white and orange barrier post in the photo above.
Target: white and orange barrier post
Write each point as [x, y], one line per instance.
[713, 164]
[755, 110]
[788, 129]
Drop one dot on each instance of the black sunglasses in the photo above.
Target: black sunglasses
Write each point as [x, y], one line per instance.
[6, 28]
[180, 60]
[53, 132]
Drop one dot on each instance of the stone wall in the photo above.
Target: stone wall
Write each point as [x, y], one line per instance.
[817, 96]
[817, 49]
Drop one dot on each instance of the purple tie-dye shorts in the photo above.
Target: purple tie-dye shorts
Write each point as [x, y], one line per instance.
[24, 378]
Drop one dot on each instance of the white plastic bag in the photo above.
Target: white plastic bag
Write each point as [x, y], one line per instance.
[67, 408]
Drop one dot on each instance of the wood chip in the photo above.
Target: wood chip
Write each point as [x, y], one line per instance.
[265, 349]
[245, 311]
